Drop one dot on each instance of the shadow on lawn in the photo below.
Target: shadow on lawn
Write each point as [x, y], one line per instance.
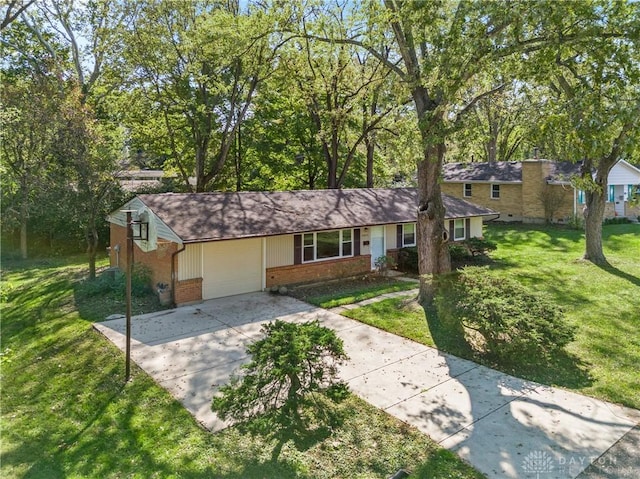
[635, 280]
[558, 369]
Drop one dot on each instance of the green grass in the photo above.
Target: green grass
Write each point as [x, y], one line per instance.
[601, 303]
[66, 412]
[339, 293]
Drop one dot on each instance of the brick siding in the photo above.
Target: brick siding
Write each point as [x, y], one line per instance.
[509, 205]
[158, 261]
[632, 212]
[520, 202]
[188, 291]
[322, 270]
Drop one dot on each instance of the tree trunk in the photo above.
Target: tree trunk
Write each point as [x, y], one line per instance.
[201, 181]
[593, 214]
[24, 218]
[332, 161]
[23, 237]
[432, 236]
[238, 160]
[92, 246]
[432, 241]
[370, 145]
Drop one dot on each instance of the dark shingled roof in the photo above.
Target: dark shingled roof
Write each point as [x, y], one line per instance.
[197, 217]
[563, 171]
[504, 171]
[498, 172]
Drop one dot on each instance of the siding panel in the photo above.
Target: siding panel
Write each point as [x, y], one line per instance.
[621, 174]
[476, 227]
[391, 237]
[279, 251]
[190, 262]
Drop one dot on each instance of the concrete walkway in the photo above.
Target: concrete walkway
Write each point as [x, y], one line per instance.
[504, 426]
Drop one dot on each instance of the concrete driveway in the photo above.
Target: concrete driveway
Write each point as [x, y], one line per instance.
[504, 426]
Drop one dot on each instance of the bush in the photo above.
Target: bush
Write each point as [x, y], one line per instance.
[292, 362]
[509, 318]
[140, 280]
[480, 246]
[458, 252]
[408, 260]
[576, 222]
[618, 220]
[384, 263]
[113, 281]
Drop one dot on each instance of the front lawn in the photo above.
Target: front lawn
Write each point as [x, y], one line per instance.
[66, 411]
[349, 291]
[601, 303]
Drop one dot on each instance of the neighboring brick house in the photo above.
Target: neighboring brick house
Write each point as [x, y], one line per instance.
[208, 245]
[534, 191]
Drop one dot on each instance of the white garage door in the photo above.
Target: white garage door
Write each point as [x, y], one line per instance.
[231, 267]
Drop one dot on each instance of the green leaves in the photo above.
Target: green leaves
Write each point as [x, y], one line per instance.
[290, 363]
[510, 320]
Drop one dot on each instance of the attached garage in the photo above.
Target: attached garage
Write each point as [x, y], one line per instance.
[231, 267]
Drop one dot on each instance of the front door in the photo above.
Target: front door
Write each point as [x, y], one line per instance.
[376, 244]
[619, 200]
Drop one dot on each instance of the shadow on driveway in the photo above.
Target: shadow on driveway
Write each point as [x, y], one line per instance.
[504, 426]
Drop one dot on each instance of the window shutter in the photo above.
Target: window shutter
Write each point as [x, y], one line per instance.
[451, 230]
[399, 236]
[297, 249]
[467, 228]
[356, 242]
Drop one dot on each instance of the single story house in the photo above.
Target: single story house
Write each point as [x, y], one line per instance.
[533, 191]
[209, 245]
[134, 180]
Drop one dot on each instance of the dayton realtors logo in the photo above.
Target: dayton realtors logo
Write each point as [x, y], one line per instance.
[538, 462]
[542, 462]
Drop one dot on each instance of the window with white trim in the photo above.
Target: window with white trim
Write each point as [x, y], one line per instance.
[327, 245]
[459, 229]
[467, 187]
[408, 234]
[612, 194]
[581, 197]
[495, 192]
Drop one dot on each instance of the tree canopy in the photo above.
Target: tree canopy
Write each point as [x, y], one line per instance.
[287, 95]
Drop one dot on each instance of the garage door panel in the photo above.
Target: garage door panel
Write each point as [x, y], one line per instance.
[232, 267]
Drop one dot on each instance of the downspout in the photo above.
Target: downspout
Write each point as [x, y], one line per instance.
[174, 279]
[264, 264]
[575, 202]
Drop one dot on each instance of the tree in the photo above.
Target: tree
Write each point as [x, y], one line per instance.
[29, 111]
[292, 362]
[30, 96]
[594, 93]
[346, 91]
[87, 152]
[281, 147]
[500, 127]
[442, 50]
[197, 67]
[88, 72]
[13, 10]
[62, 143]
